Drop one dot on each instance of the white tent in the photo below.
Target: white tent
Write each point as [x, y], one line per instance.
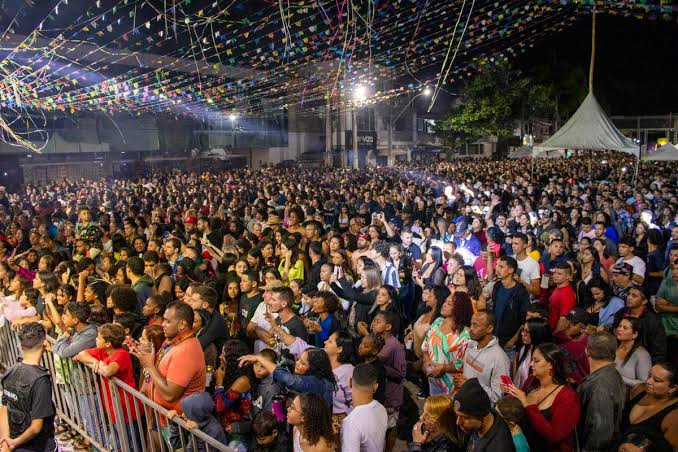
[588, 129]
[666, 153]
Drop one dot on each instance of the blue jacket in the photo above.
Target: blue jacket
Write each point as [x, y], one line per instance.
[198, 407]
[305, 383]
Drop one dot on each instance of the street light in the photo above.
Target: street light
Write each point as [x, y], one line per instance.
[359, 94]
[233, 117]
[426, 92]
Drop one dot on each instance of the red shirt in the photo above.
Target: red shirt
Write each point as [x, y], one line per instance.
[576, 362]
[561, 301]
[125, 374]
[559, 432]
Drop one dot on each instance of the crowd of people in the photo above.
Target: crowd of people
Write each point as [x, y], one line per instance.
[296, 309]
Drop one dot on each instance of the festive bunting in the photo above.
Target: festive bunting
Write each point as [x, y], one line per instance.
[199, 57]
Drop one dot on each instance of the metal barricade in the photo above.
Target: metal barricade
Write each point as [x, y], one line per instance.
[110, 414]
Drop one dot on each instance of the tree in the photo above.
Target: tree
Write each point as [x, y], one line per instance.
[492, 101]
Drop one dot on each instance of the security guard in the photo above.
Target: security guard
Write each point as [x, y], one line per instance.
[27, 412]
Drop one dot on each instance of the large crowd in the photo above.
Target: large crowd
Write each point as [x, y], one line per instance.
[306, 310]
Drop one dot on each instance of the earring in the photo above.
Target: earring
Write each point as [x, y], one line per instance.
[551, 372]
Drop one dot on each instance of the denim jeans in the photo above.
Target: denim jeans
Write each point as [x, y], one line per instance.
[91, 411]
[132, 437]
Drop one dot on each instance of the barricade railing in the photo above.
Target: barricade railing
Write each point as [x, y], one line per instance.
[110, 414]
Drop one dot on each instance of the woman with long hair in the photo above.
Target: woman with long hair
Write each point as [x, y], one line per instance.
[341, 259]
[342, 354]
[604, 304]
[432, 297]
[535, 332]
[311, 423]
[640, 236]
[453, 264]
[312, 373]
[445, 343]
[436, 430]
[591, 269]
[432, 270]
[55, 305]
[633, 361]
[291, 265]
[230, 307]
[233, 387]
[551, 404]
[466, 280]
[362, 299]
[606, 253]
[295, 218]
[10, 306]
[385, 301]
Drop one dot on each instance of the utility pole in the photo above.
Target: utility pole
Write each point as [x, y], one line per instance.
[354, 125]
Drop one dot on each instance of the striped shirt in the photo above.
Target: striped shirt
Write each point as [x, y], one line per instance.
[389, 274]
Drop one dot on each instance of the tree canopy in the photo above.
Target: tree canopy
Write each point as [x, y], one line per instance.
[491, 103]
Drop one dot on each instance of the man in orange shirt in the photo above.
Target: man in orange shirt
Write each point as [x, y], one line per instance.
[177, 370]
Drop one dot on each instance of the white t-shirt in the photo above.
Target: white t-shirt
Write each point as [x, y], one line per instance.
[529, 269]
[261, 322]
[637, 263]
[364, 429]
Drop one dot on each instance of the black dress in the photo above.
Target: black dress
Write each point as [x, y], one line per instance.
[653, 423]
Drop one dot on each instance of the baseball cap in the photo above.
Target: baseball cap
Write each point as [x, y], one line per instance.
[364, 236]
[397, 222]
[623, 268]
[191, 220]
[577, 315]
[472, 400]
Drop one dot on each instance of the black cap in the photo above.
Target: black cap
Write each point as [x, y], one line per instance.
[472, 400]
[577, 315]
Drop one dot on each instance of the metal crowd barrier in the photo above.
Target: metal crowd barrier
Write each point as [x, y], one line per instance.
[80, 402]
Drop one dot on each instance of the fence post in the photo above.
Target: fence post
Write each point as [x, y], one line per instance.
[119, 435]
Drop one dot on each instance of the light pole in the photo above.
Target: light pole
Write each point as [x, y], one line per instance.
[359, 94]
[232, 118]
[425, 92]
[354, 125]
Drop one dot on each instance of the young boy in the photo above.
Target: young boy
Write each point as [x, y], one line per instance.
[369, 349]
[386, 324]
[268, 434]
[513, 412]
[154, 308]
[109, 359]
[197, 409]
[80, 335]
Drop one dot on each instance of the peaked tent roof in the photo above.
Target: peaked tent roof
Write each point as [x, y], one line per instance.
[666, 153]
[588, 129]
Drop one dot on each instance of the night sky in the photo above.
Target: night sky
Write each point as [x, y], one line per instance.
[636, 62]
